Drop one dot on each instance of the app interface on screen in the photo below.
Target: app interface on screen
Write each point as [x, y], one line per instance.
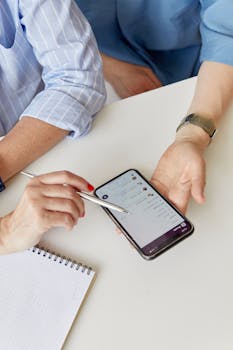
[149, 217]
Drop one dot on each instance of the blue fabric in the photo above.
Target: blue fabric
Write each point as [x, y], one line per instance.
[173, 37]
[50, 68]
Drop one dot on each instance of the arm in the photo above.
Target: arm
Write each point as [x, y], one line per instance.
[27, 141]
[45, 203]
[73, 93]
[180, 172]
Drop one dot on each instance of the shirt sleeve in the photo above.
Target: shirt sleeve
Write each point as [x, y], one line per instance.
[217, 31]
[66, 50]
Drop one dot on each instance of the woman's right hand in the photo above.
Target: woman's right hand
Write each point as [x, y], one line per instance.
[45, 203]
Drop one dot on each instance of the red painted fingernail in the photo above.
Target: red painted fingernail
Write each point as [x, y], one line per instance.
[90, 187]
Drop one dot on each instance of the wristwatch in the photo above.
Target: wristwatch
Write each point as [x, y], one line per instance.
[2, 186]
[206, 124]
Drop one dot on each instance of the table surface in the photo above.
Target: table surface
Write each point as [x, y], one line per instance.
[182, 299]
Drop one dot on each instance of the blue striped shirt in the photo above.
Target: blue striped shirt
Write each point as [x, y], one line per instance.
[50, 68]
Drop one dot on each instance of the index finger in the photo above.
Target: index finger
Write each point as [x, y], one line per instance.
[65, 177]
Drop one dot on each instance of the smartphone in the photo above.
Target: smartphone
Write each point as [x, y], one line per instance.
[152, 224]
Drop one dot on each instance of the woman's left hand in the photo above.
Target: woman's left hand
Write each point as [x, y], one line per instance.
[180, 173]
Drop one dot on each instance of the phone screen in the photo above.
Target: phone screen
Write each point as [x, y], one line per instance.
[149, 216]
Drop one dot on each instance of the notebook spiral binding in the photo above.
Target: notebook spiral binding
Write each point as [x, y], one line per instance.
[47, 253]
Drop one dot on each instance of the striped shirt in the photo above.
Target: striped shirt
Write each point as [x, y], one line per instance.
[50, 68]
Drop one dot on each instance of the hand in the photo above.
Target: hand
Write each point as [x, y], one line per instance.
[45, 203]
[180, 172]
[129, 79]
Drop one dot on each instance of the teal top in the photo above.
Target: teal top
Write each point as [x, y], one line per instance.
[173, 37]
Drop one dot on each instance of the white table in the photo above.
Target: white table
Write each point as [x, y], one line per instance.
[183, 299]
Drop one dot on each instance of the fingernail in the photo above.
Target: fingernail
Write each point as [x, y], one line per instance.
[90, 187]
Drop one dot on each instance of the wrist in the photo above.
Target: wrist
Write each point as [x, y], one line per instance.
[4, 171]
[4, 233]
[193, 133]
[199, 128]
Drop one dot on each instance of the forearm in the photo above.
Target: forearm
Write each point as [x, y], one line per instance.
[3, 233]
[213, 95]
[180, 172]
[28, 140]
[214, 91]
[1, 240]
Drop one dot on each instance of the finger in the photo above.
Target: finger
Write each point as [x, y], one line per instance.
[153, 78]
[197, 190]
[66, 192]
[62, 205]
[118, 231]
[66, 177]
[148, 85]
[157, 83]
[58, 219]
[142, 84]
[198, 184]
[179, 195]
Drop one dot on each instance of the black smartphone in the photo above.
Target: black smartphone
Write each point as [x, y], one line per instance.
[152, 224]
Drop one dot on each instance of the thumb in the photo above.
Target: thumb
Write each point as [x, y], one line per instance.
[197, 190]
[198, 184]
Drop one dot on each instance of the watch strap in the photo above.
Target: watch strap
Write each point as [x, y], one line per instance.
[2, 186]
[206, 124]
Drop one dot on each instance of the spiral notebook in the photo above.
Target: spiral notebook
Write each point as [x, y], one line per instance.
[40, 294]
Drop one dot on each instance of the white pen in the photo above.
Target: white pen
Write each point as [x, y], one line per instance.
[89, 197]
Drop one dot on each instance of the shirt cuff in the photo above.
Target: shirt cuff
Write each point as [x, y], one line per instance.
[61, 110]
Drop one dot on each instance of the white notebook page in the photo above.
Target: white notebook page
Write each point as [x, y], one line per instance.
[39, 299]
